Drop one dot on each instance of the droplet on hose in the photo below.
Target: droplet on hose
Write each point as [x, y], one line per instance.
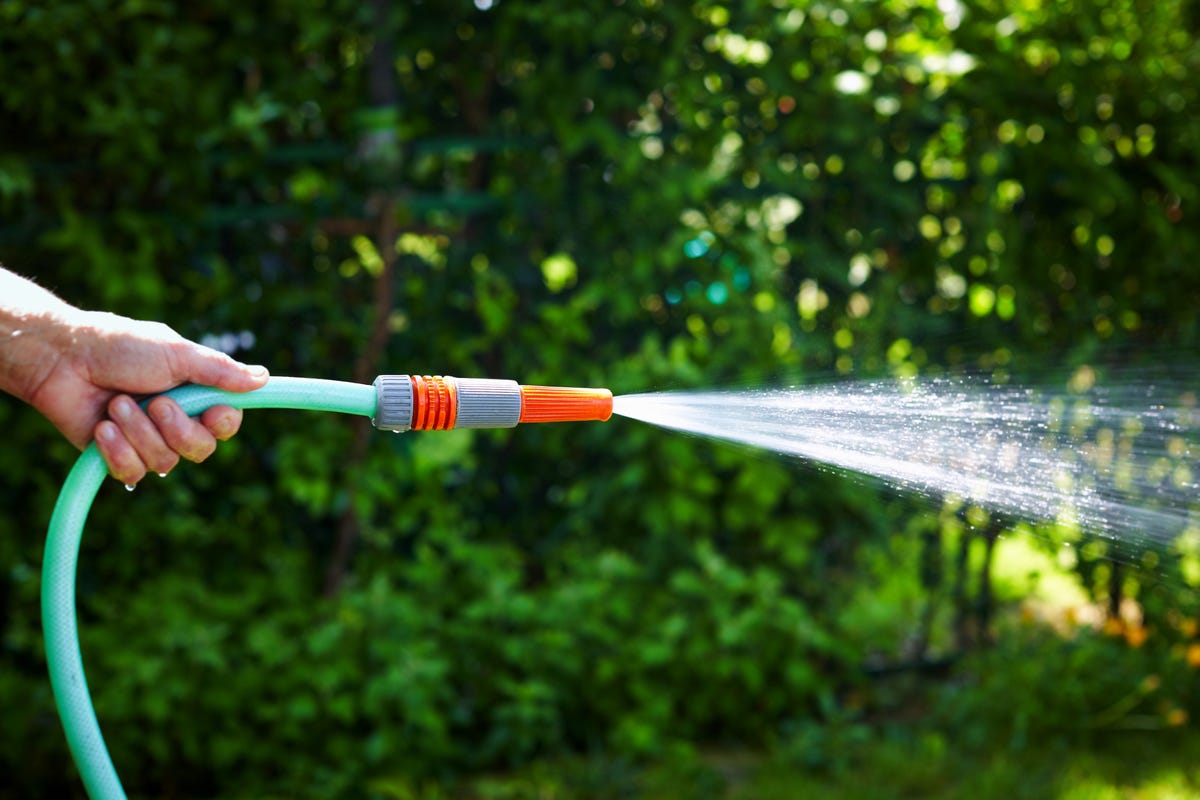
[129, 487]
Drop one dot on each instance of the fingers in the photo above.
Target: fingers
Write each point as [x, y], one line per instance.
[222, 421]
[186, 436]
[134, 442]
[124, 464]
[198, 364]
[142, 435]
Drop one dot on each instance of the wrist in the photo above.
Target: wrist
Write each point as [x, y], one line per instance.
[35, 330]
[32, 343]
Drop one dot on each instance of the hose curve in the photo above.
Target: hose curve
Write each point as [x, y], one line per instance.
[63, 657]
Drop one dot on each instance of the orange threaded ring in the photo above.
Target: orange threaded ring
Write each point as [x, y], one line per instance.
[421, 404]
[435, 403]
[447, 400]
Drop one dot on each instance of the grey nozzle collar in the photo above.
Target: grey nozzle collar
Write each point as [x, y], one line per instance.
[393, 403]
[482, 403]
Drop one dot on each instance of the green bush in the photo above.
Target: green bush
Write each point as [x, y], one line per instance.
[1036, 687]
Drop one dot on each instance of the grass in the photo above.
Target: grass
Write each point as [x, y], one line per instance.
[887, 767]
[1137, 771]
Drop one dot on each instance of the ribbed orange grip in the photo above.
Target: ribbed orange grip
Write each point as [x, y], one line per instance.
[564, 404]
[435, 403]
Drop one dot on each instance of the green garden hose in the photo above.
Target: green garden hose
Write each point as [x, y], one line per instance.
[404, 402]
[62, 554]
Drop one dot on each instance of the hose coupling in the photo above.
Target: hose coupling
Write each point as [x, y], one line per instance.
[442, 402]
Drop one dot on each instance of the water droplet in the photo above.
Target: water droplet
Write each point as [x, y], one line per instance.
[162, 474]
[129, 487]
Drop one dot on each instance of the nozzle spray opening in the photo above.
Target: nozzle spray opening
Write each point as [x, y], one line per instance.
[565, 404]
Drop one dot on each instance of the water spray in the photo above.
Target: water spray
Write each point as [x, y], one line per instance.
[394, 402]
[1119, 460]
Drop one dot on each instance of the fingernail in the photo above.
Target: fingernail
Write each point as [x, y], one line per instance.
[162, 412]
[106, 432]
[257, 370]
[123, 408]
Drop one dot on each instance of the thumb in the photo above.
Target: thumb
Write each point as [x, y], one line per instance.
[208, 367]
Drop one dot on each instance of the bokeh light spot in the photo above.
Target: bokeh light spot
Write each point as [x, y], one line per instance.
[717, 293]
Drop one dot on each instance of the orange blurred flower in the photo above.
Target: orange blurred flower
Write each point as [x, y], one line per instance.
[1188, 628]
[1136, 636]
[1177, 717]
[1193, 655]
[1113, 626]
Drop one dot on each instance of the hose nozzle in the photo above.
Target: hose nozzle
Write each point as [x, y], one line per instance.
[436, 402]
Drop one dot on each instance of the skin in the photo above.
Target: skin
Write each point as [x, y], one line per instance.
[83, 370]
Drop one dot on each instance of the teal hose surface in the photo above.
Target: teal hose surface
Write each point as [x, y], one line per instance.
[62, 555]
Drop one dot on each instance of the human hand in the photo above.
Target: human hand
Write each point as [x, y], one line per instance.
[92, 362]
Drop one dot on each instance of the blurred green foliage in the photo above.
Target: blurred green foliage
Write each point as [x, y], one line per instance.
[639, 194]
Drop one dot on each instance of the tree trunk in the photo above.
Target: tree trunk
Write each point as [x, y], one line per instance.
[1115, 579]
[381, 82]
[962, 611]
[985, 601]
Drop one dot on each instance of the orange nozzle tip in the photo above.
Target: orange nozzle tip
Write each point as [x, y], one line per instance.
[565, 404]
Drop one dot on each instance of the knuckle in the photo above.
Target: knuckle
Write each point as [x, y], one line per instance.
[225, 426]
[165, 462]
[128, 471]
[199, 446]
